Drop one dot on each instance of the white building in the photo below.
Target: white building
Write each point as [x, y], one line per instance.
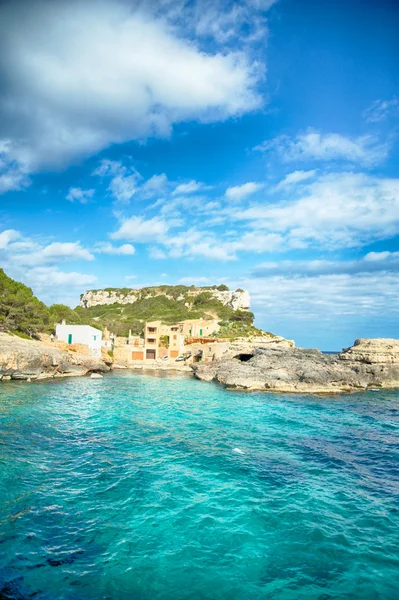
[80, 334]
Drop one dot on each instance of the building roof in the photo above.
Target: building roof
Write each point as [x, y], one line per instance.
[79, 327]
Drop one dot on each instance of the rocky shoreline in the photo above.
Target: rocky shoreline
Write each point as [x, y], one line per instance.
[272, 367]
[22, 359]
[369, 363]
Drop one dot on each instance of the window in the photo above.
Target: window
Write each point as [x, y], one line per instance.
[151, 340]
[94, 337]
[152, 329]
[175, 337]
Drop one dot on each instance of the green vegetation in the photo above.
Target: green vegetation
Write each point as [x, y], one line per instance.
[22, 313]
[119, 318]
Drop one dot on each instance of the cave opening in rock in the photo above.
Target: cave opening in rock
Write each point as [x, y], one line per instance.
[244, 357]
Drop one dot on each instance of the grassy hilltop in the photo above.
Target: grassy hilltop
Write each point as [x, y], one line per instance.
[23, 314]
[169, 304]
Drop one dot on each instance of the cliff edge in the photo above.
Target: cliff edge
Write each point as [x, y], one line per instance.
[237, 300]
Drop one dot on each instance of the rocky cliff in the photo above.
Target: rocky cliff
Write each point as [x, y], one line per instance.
[238, 300]
[369, 363]
[27, 359]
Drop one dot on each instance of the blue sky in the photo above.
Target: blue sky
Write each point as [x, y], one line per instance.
[251, 143]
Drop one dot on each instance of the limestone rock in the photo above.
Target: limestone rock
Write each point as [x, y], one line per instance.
[24, 359]
[378, 350]
[238, 300]
[367, 364]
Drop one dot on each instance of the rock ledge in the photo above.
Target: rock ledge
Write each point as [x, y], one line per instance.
[27, 359]
[369, 363]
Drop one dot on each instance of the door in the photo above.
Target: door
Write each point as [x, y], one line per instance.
[150, 354]
[200, 331]
[69, 338]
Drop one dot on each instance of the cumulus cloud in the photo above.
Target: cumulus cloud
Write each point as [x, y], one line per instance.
[98, 73]
[188, 188]
[55, 252]
[79, 195]
[44, 277]
[137, 229]
[154, 186]
[123, 180]
[316, 146]
[296, 177]
[8, 236]
[335, 210]
[239, 192]
[107, 248]
[31, 253]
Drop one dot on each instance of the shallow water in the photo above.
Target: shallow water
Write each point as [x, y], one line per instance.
[142, 487]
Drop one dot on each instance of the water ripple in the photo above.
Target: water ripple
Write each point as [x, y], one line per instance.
[140, 487]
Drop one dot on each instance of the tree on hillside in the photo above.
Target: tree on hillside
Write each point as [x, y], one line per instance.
[20, 311]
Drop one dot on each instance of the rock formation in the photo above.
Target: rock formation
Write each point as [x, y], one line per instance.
[27, 359]
[238, 300]
[367, 364]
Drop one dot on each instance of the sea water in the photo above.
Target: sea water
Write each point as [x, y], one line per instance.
[142, 487]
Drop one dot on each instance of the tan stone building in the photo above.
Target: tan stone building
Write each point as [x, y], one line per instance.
[162, 340]
[199, 327]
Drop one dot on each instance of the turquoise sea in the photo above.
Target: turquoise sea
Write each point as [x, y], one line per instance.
[144, 487]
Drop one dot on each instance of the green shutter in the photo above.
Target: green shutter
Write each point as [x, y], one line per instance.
[200, 331]
[69, 338]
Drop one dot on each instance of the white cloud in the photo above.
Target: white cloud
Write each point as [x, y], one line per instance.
[79, 195]
[32, 253]
[7, 236]
[107, 248]
[137, 229]
[380, 110]
[296, 177]
[156, 253]
[372, 262]
[98, 73]
[13, 176]
[324, 298]
[336, 210]
[187, 188]
[124, 187]
[49, 276]
[130, 277]
[65, 251]
[314, 145]
[155, 185]
[124, 181]
[238, 192]
[382, 256]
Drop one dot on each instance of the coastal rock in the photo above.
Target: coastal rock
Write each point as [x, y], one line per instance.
[378, 350]
[238, 300]
[28, 359]
[367, 364]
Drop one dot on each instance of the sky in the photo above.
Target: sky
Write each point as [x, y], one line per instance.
[251, 143]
